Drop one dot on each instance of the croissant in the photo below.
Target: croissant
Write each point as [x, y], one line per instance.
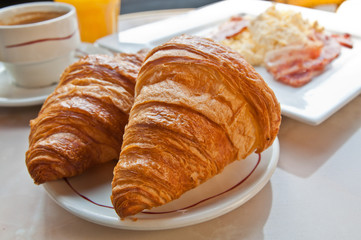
[198, 107]
[81, 123]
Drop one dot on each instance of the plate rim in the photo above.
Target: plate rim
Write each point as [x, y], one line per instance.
[171, 222]
[25, 102]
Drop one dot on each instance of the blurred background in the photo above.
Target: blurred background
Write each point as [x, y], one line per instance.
[130, 6]
[99, 18]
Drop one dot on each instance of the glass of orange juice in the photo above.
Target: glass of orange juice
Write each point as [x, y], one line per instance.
[96, 18]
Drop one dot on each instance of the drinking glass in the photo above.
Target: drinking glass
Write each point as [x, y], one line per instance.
[96, 18]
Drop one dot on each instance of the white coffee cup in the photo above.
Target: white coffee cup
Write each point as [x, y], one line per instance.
[35, 54]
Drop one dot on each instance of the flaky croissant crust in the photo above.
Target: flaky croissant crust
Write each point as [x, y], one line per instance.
[198, 107]
[81, 123]
[226, 66]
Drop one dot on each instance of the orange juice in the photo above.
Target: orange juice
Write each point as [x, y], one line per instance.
[310, 3]
[97, 18]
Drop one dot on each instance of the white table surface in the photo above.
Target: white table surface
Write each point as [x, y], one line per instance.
[315, 192]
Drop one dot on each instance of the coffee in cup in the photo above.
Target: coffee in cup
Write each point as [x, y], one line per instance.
[37, 41]
[31, 17]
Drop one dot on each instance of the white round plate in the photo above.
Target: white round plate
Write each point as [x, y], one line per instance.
[15, 96]
[88, 195]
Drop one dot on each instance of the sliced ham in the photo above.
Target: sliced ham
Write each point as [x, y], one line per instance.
[296, 65]
[230, 28]
[344, 40]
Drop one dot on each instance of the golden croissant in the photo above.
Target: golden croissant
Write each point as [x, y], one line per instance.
[198, 107]
[81, 123]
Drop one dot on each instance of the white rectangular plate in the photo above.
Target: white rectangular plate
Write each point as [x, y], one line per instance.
[312, 103]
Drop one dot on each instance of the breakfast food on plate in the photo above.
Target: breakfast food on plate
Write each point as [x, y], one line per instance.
[198, 107]
[81, 123]
[293, 49]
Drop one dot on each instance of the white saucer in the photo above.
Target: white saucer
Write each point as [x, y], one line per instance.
[15, 96]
